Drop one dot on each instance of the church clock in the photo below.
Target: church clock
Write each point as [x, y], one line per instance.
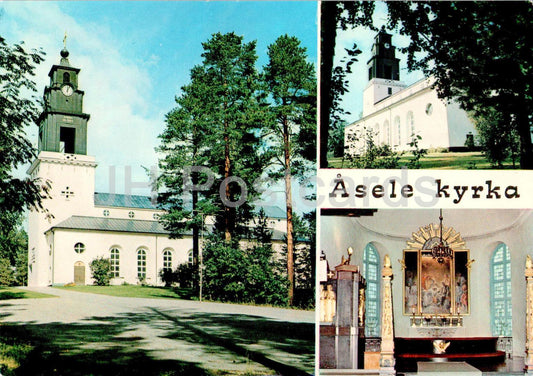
[63, 124]
[67, 90]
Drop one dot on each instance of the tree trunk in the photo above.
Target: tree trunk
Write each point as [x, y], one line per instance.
[328, 30]
[227, 174]
[288, 204]
[524, 129]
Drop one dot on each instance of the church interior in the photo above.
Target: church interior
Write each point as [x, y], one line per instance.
[425, 290]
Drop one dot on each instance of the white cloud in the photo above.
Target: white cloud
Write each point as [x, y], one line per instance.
[123, 127]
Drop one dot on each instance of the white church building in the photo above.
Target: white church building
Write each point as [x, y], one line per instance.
[79, 225]
[393, 112]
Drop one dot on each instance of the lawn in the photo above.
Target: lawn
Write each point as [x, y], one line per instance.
[133, 291]
[17, 293]
[440, 160]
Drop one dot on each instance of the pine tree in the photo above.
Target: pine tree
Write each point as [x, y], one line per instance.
[291, 136]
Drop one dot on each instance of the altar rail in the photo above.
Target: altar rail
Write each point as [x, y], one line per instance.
[474, 350]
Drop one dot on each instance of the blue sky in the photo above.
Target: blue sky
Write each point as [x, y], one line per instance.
[134, 57]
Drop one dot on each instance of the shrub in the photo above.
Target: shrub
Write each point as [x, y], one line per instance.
[7, 276]
[101, 271]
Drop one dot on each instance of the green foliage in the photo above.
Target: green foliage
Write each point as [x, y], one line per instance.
[417, 153]
[336, 139]
[251, 275]
[101, 271]
[498, 141]
[7, 275]
[214, 125]
[365, 153]
[304, 260]
[368, 154]
[17, 112]
[291, 83]
[185, 274]
[291, 136]
[14, 245]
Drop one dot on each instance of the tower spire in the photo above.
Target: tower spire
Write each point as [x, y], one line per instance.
[64, 52]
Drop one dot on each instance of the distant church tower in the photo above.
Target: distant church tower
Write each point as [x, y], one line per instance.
[383, 72]
[63, 162]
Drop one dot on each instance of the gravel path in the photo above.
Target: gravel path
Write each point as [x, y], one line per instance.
[218, 337]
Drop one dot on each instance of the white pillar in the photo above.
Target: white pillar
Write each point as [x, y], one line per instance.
[386, 360]
[529, 316]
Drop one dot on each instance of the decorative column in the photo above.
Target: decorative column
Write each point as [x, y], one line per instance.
[529, 316]
[387, 361]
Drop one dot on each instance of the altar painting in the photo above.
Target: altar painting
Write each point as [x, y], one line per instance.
[435, 283]
[461, 286]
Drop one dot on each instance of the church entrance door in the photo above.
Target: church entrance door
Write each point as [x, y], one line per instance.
[79, 273]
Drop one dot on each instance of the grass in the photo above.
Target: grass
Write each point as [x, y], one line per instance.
[134, 291]
[17, 293]
[440, 160]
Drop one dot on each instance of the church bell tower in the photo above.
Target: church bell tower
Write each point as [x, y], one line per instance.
[63, 125]
[383, 72]
[63, 163]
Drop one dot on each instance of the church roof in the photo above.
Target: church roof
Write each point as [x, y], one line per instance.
[272, 211]
[145, 202]
[123, 201]
[111, 224]
[126, 225]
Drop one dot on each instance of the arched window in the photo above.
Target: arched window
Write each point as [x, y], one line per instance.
[115, 262]
[397, 131]
[500, 292]
[386, 133]
[141, 264]
[167, 259]
[66, 78]
[410, 126]
[372, 306]
[190, 257]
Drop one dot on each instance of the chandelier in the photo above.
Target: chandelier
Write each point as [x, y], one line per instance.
[441, 251]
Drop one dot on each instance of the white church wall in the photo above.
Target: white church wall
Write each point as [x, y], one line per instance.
[459, 124]
[71, 178]
[99, 244]
[440, 125]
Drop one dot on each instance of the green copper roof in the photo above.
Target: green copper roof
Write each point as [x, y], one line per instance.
[145, 202]
[123, 201]
[111, 224]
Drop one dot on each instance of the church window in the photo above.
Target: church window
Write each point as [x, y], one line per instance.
[429, 109]
[389, 90]
[500, 292]
[386, 133]
[79, 247]
[66, 78]
[115, 262]
[410, 125]
[106, 213]
[167, 260]
[131, 214]
[141, 264]
[371, 274]
[190, 257]
[398, 131]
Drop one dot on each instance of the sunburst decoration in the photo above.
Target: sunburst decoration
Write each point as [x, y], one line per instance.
[425, 237]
